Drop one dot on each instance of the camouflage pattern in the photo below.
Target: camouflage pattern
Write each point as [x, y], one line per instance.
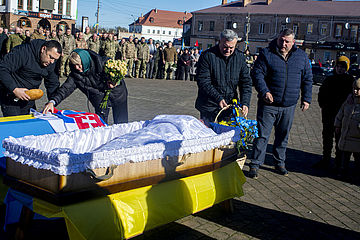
[87, 36]
[170, 57]
[94, 46]
[81, 43]
[13, 41]
[129, 50]
[68, 44]
[111, 47]
[143, 55]
[37, 35]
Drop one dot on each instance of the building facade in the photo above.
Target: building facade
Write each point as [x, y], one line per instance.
[29, 14]
[324, 29]
[160, 25]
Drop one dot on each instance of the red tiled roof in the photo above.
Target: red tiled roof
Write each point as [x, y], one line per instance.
[162, 18]
[291, 7]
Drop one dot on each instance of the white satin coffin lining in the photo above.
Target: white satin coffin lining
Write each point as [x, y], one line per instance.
[74, 152]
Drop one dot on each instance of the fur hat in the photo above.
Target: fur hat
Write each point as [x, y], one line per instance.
[344, 59]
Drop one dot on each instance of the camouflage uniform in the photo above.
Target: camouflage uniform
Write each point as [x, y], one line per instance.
[94, 46]
[81, 43]
[13, 41]
[170, 57]
[143, 55]
[87, 36]
[68, 45]
[37, 35]
[110, 48]
[129, 55]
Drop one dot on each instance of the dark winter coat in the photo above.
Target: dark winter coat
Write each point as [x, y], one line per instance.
[219, 77]
[92, 83]
[334, 91]
[283, 78]
[21, 68]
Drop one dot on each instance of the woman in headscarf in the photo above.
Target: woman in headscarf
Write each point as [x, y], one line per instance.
[87, 74]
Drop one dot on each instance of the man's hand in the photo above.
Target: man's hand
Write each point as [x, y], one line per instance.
[48, 107]
[20, 94]
[245, 110]
[268, 98]
[304, 106]
[110, 85]
[223, 104]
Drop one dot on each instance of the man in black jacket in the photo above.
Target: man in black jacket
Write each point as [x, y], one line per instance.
[221, 70]
[23, 69]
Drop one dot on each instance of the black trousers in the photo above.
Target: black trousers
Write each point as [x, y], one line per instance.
[328, 117]
[10, 107]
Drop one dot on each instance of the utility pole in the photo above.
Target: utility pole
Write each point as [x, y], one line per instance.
[97, 17]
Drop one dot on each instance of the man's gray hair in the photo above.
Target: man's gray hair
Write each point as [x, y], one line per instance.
[229, 35]
[287, 32]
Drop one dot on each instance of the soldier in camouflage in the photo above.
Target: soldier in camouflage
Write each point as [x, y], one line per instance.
[130, 55]
[111, 47]
[170, 58]
[68, 45]
[14, 40]
[143, 55]
[80, 42]
[87, 34]
[94, 43]
[38, 33]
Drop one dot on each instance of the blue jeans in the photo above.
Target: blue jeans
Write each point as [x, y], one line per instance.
[268, 116]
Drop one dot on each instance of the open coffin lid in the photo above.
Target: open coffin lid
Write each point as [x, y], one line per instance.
[165, 145]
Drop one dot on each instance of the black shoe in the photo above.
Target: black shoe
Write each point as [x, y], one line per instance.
[253, 173]
[281, 170]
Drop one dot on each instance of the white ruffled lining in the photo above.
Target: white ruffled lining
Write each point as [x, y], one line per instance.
[73, 152]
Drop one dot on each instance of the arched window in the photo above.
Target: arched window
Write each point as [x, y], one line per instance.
[151, 19]
[24, 22]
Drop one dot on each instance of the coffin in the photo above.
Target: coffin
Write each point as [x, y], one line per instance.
[116, 158]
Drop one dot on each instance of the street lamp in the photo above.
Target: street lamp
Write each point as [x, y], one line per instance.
[247, 24]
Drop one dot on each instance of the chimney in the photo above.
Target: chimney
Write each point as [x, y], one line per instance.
[246, 2]
[155, 10]
[224, 2]
[268, 2]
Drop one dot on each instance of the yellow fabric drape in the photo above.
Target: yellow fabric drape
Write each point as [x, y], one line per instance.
[127, 214]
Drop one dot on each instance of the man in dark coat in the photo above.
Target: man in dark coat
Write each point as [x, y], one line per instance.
[221, 70]
[23, 69]
[3, 39]
[279, 73]
[87, 74]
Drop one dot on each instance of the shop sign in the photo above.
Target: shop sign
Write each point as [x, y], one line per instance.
[45, 15]
[22, 13]
[66, 17]
[33, 14]
[56, 17]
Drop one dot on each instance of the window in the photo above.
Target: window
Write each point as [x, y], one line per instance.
[20, 4]
[158, 31]
[309, 28]
[354, 33]
[323, 29]
[68, 7]
[327, 56]
[296, 29]
[151, 19]
[169, 32]
[338, 30]
[261, 28]
[212, 25]
[228, 25]
[200, 26]
[283, 27]
[60, 6]
[164, 32]
[2, 2]
[24, 22]
[29, 5]
[148, 31]
[154, 31]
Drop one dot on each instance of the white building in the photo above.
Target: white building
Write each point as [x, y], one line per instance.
[160, 25]
[28, 14]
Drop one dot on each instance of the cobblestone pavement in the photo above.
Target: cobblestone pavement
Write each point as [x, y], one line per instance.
[308, 204]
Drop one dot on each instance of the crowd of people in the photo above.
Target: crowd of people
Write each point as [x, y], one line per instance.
[145, 58]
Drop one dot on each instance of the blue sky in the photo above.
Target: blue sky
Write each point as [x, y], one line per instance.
[122, 12]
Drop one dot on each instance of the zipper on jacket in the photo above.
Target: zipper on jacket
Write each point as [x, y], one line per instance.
[286, 80]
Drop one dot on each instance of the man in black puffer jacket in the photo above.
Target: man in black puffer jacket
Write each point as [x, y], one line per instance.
[23, 68]
[280, 72]
[87, 74]
[221, 70]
